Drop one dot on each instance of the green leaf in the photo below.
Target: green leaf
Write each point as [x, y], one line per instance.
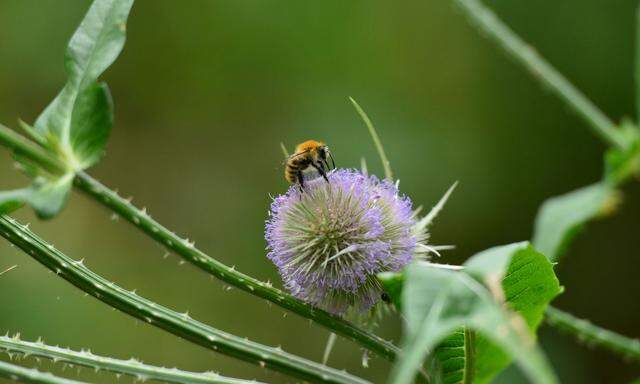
[621, 164]
[452, 314]
[91, 123]
[454, 357]
[525, 281]
[48, 197]
[78, 121]
[560, 218]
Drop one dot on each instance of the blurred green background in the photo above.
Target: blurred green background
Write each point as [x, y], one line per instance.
[206, 90]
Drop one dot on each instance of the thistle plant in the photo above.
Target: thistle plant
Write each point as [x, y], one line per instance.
[340, 246]
[330, 240]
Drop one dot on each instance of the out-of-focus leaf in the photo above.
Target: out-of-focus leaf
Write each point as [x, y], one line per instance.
[47, 197]
[78, 121]
[560, 218]
[515, 277]
[12, 200]
[621, 164]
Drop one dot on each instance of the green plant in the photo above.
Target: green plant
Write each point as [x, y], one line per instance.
[464, 323]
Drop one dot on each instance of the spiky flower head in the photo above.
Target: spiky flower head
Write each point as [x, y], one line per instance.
[330, 240]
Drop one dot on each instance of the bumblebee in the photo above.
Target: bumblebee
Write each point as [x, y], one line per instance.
[308, 156]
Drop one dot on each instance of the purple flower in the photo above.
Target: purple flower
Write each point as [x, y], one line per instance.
[331, 240]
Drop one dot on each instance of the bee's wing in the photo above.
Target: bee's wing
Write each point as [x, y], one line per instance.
[284, 162]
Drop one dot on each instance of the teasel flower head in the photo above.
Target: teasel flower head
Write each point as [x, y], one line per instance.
[330, 240]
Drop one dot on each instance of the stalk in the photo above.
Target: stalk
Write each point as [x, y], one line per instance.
[26, 375]
[591, 334]
[229, 275]
[491, 26]
[131, 367]
[23, 146]
[182, 247]
[178, 324]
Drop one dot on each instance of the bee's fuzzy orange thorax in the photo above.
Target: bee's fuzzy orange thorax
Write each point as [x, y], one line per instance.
[308, 146]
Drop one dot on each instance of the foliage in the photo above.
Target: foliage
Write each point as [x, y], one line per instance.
[500, 296]
[135, 368]
[467, 323]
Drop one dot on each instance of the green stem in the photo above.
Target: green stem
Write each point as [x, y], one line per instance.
[22, 146]
[229, 275]
[637, 64]
[489, 24]
[591, 334]
[26, 375]
[130, 367]
[178, 324]
[189, 252]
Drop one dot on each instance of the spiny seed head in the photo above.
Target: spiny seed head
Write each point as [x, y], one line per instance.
[331, 240]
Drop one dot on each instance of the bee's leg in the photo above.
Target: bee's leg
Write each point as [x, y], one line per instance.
[301, 181]
[326, 163]
[320, 168]
[333, 163]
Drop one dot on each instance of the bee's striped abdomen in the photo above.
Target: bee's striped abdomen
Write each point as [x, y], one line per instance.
[291, 173]
[294, 166]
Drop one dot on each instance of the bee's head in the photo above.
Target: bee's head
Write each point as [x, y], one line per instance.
[324, 154]
[323, 151]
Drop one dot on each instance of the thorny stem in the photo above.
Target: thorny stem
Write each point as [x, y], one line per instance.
[26, 375]
[229, 275]
[489, 24]
[591, 334]
[189, 252]
[130, 367]
[178, 324]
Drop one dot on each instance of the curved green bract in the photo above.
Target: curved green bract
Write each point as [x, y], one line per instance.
[179, 324]
[130, 367]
